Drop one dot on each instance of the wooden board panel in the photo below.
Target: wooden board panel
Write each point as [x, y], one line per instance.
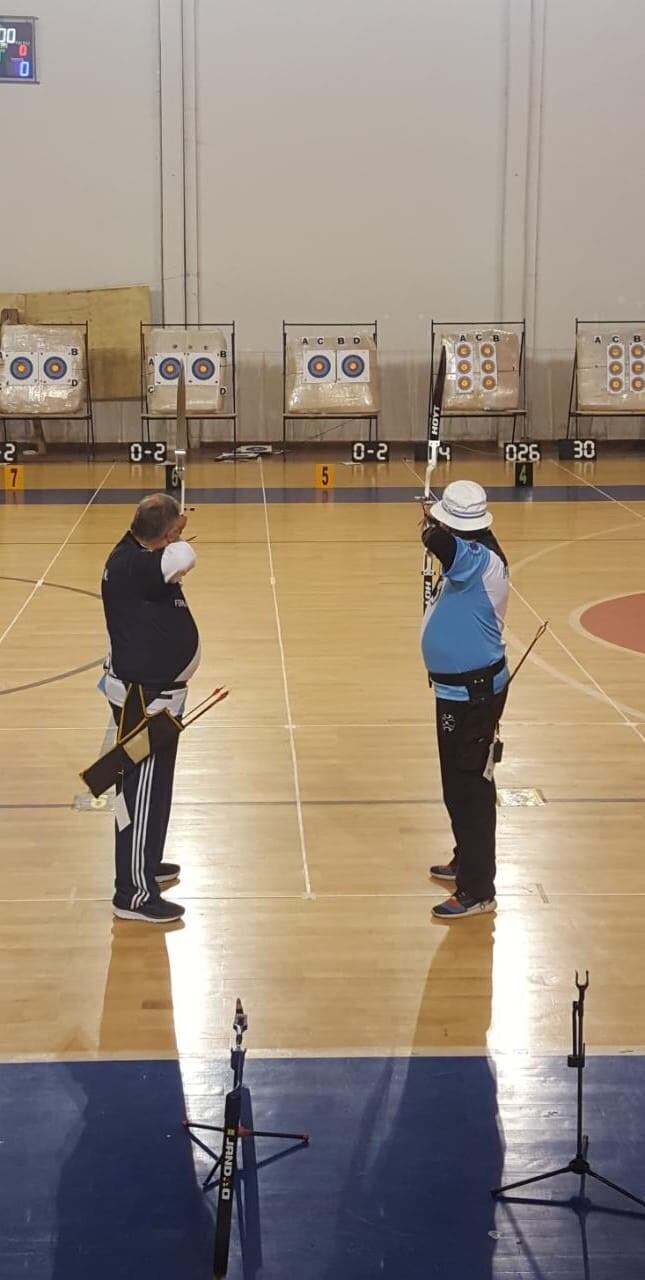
[114, 316]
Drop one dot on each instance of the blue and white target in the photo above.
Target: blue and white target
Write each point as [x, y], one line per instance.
[21, 369]
[203, 369]
[168, 368]
[319, 366]
[55, 368]
[354, 366]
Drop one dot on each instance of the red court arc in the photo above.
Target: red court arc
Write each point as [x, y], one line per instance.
[619, 620]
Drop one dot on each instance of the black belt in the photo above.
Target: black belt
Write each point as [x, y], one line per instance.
[479, 682]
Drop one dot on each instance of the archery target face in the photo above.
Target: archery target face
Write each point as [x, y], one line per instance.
[202, 369]
[637, 366]
[616, 368]
[21, 369]
[354, 366]
[166, 368]
[55, 366]
[464, 368]
[488, 365]
[319, 366]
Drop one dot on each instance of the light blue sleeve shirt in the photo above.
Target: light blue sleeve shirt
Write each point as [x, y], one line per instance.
[463, 624]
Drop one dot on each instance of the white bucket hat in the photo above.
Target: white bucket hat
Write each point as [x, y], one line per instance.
[463, 506]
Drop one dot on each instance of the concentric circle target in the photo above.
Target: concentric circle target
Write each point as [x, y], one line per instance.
[169, 368]
[464, 384]
[463, 366]
[638, 384]
[638, 350]
[55, 368]
[352, 366]
[319, 366]
[486, 349]
[615, 384]
[21, 368]
[638, 366]
[464, 349]
[203, 368]
[488, 383]
[615, 351]
[615, 367]
[488, 366]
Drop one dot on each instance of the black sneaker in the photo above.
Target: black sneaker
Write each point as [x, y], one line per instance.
[462, 905]
[447, 872]
[155, 911]
[168, 871]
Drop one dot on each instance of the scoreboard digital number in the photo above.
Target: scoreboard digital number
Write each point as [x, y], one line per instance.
[522, 451]
[8, 451]
[18, 50]
[370, 451]
[577, 450]
[147, 451]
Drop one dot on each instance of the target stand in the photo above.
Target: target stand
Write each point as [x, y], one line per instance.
[607, 381]
[45, 377]
[330, 373]
[224, 1171]
[486, 371]
[208, 355]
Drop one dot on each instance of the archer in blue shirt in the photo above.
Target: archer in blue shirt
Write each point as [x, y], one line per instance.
[464, 653]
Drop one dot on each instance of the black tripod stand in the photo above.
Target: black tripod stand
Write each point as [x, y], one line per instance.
[580, 1164]
[232, 1130]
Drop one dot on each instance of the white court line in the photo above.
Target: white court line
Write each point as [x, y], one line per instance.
[492, 1052]
[347, 724]
[637, 514]
[52, 562]
[287, 699]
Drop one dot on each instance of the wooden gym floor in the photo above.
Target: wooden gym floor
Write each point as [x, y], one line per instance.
[308, 807]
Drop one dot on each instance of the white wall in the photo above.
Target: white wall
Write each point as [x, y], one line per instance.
[592, 183]
[341, 148]
[84, 210]
[498, 172]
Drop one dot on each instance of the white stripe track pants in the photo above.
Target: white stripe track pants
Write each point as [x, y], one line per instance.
[139, 846]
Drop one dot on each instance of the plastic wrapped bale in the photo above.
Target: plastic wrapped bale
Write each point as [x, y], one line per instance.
[42, 370]
[611, 370]
[331, 375]
[482, 371]
[205, 358]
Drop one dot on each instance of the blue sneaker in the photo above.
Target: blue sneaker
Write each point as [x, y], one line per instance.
[447, 871]
[461, 905]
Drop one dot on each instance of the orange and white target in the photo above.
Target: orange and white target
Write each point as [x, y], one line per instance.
[488, 366]
[464, 370]
[616, 368]
[637, 367]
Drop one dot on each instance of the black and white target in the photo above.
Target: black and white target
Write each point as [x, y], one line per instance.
[203, 369]
[319, 366]
[167, 368]
[354, 366]
[54, 367]
[22, 370]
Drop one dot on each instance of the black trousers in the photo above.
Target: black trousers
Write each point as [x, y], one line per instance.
[465, 731]
[139, 846]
